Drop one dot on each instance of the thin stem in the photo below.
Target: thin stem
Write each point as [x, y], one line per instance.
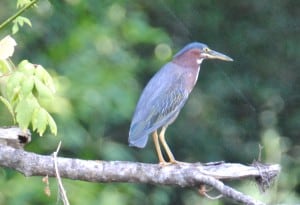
[60, 185]
[10, 19]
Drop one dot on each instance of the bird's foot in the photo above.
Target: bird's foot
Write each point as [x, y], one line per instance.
[171, 162]
[164, 163]
[178, 162]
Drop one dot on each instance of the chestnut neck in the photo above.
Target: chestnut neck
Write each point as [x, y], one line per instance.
[186, 61]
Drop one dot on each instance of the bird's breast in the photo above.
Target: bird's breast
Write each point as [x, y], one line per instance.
[191, 77]
[197, 74]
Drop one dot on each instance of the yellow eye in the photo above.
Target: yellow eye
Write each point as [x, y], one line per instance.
[206, 49]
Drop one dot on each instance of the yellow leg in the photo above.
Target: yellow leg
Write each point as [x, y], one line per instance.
[157, 147]
[165, 145]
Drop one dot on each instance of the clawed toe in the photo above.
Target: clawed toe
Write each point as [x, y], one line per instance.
[173, 162]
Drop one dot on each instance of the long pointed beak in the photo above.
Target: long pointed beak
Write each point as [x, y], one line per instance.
[217, 55]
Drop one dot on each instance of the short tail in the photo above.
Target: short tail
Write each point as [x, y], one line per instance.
[139, 142]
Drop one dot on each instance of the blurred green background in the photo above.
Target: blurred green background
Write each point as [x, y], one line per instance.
[102, 53]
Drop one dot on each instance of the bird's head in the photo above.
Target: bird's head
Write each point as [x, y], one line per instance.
[195, 53]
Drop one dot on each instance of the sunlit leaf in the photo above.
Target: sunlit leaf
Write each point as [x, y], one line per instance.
[20, 21]
[42, 89]
[40, 120]
[24, 111]
[26, 67]
[23, 3]
[27, 86]
[45, 77]
[15, 28]
[7, 47]
[52, 124]
[24, 20]
[4, 67]
[8, 106]
[13, 85]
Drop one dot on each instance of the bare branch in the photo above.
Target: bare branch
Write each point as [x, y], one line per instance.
[14, 137]
[183, 175]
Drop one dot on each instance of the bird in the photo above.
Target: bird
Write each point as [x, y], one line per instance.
[165, 95]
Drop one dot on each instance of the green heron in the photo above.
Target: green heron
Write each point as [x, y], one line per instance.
[165, 95]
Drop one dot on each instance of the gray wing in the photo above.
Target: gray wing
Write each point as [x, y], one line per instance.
[159, 104]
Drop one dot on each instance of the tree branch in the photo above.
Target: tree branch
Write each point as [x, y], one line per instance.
[14, 137]
[183, 174]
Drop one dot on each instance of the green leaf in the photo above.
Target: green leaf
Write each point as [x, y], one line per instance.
[19, 88]
[52, 124]
[24, 111]
[45, 77]
[26, 67]
[9, 107]
[20, 20]
[40, 120]
[23, 3]
[42, 89]
[5, 67]
[13, 85]
[15, 28]
[27, 86]
[23, 20]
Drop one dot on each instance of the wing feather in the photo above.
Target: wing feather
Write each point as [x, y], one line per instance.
[159, 104]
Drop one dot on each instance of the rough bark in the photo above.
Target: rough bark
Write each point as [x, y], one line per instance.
[183, 174]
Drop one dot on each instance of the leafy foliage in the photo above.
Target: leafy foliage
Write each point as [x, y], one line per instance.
[20, 21]
[22, 3]
[23, 90]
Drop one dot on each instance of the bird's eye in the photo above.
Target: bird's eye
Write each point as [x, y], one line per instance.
[206, 49]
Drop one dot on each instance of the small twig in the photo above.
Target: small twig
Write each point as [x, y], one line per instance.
[60, 185]
[212, 197]
[203, 191]
[10, 19]
[47, 188]
[260, 147]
